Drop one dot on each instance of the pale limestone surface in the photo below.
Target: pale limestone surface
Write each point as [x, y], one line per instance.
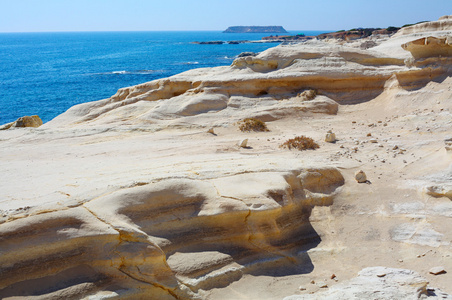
[380, 283]
[130, 197]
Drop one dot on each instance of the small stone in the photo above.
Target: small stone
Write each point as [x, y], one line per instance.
[360, 176]
[243, 143]
[395, 147]
[333, 276]
[437, 270]
[382, 274]
[369, 134]
[330, 137]
[312, 282]
[302, 288]
[401, 260]
[342, 146]
[211, 131]
[322, 284]
[373, 141]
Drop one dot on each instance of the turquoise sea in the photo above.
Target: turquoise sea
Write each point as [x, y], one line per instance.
[46, 73]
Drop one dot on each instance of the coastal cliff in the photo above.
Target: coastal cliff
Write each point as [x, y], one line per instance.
[255, 29]
[157, 192]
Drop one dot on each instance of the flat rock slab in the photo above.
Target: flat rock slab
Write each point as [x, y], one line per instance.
[437, 270]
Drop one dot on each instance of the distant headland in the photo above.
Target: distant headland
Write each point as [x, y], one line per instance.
[255, 29]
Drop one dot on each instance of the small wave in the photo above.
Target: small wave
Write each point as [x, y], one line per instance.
[192, 63]
[134, 72]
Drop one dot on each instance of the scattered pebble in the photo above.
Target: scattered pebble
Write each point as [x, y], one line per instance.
[211, 131]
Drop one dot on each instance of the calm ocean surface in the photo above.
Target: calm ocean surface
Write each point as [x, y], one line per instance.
[46, 73]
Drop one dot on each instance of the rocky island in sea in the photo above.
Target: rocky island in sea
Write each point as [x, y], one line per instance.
[316, 170]
[255, 29]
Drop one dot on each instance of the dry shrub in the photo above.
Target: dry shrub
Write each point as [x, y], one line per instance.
[308, 95]
[252, 124]
[300, 143]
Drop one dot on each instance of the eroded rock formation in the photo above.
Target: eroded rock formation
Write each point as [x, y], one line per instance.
[129, 197]
[172, 237]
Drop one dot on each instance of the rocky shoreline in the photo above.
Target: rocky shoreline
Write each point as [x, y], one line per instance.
[159, 192]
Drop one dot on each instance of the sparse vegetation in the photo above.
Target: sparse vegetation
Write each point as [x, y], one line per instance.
[308, 94]
[406, 25]
[252, 124]
[300, 143]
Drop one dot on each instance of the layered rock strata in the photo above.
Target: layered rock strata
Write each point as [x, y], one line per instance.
[175, 236]
[130, 197]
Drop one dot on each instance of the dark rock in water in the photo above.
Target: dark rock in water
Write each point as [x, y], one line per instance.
[255, 29]
[238, 42]
[244, 54]
[210, 43]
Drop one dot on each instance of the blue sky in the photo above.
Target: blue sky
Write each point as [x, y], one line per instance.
[131, 15]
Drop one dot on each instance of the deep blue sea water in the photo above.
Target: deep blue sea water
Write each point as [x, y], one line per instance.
[46, 73]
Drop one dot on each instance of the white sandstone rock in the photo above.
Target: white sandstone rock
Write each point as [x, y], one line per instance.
[243, 143]
[360, 176]
[437, 270]
[330, 137]
[396, 284]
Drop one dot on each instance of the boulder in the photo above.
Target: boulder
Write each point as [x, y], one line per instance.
[243, 143]
[430, 47]
[437, 270]
[330, 137]
[360, 176]
[26, 121]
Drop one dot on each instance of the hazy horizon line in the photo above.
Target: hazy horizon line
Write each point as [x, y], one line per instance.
[163, 30]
